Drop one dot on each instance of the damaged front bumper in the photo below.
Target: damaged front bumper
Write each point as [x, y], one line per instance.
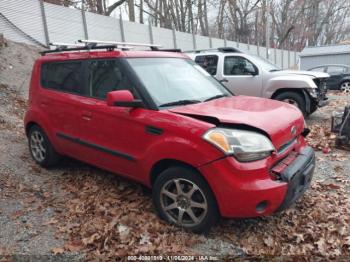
[298, 175]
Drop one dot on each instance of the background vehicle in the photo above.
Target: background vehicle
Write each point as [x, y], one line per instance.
[339, 76]
[160, 119]
[251, 75]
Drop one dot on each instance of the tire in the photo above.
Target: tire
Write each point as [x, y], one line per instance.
[345, 87]
[199, 218]
[41, 148]
[293, 98]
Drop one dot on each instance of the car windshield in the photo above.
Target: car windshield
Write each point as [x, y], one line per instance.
[176, 81]
[266, 64]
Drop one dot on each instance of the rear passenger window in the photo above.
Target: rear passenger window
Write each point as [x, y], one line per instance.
[107, 76]
[62, 76]
[208, 62]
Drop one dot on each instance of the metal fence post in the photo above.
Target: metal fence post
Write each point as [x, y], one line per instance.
[194, 41]
[174, 38]
[289, 57]
[282, 58]
[258, 48]
[86, 35]
[275, 55]
[225, 42]
[121, 28]
[150, 33]
[295, 58]
[43, 16]
[210, 42]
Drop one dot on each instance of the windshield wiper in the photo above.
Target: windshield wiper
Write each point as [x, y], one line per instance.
[181, 102]
[215, 97]
[275, 70]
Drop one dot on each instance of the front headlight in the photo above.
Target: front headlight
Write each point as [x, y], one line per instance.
[246, 146]
[313, 92]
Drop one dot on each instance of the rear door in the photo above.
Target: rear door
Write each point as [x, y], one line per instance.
[61, 94]
[239, 73]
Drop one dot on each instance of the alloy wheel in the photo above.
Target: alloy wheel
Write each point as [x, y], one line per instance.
[37, 146]
[345, 87]
[183, 202]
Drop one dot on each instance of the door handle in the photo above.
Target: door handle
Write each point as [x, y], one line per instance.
[44, 103]
[223, 80]
[86, 115]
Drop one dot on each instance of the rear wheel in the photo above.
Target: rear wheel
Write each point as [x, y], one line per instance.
[182, 197]
[41, 148]
[293, 98]
[345, 87]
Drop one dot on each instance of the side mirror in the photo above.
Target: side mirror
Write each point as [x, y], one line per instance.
[123, 98]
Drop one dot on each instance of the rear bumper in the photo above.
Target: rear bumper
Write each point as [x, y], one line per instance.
[248, 190]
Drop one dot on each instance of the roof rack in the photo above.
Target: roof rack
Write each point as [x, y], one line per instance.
[96, 44]
[153, 47]
[219, 49]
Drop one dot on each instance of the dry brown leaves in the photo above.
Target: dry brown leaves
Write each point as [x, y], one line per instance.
[115, 219]
[319, 225]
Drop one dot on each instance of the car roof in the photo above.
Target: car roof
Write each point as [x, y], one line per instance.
[80, 55]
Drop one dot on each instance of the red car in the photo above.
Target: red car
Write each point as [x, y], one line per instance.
[158, 118]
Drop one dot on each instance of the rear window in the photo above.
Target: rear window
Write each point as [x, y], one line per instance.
[62, 76]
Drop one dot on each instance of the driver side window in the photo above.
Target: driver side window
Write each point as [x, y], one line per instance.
[106, 76]
[236, 65]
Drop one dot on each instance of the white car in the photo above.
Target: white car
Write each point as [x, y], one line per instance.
[252, 75]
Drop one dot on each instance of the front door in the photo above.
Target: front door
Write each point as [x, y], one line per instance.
[112, 137]
[242, 76]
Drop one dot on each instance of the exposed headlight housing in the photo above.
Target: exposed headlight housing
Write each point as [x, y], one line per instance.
[313, 92]
[245, 146]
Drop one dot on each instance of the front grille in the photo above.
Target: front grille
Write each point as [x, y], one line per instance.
[285, 146]
[322, 86]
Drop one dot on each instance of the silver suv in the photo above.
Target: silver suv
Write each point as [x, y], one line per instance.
[252, 75]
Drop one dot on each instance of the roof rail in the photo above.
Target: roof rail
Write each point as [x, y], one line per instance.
[117, 43]
[219, 49]
[96, 44]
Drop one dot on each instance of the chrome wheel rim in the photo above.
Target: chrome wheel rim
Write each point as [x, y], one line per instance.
[345, 87]
[291, 102]
[37, 146]
[183, 202]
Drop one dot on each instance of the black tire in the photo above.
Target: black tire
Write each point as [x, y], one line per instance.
[50, 157]
[185, 176]
[295, 97]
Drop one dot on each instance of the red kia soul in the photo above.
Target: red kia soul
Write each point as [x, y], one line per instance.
[158, 118]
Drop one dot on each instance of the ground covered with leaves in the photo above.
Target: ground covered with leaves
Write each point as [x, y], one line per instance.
[76, 211]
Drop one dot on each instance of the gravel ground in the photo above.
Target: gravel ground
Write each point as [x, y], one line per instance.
[31, 198]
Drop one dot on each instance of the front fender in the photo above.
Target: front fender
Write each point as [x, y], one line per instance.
[289, 81]
[194, 153]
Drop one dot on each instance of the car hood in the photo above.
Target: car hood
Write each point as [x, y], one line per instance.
[275, 119]
[305, 73]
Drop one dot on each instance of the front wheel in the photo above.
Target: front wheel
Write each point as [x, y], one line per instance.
[182, 197]
[294, 99]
